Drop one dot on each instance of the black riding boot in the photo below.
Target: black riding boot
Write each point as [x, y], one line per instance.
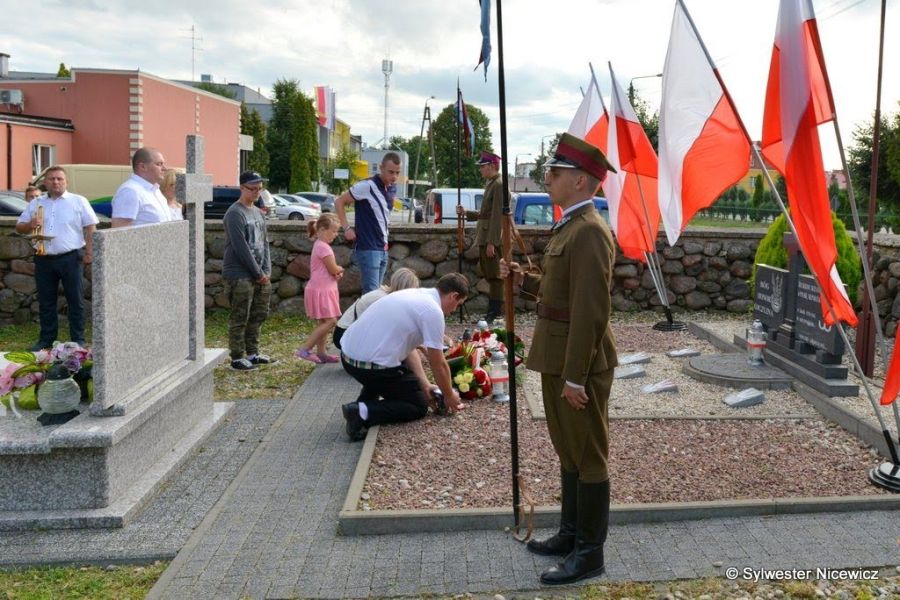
[586, 560]
[562, 542]
[495, 309]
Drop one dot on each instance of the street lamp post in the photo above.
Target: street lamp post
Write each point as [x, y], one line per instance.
[542, 142]
[631, 85]
[516, 169]
[426, 116]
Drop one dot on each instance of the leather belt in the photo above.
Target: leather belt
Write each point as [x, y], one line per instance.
[552, 313]
[62, 255]
[361, 364]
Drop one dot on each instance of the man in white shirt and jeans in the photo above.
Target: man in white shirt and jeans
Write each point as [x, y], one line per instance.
[138, 201]
[379, 351]
[70, 221]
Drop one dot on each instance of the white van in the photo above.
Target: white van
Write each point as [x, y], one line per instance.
[92, 181]
[440, 203]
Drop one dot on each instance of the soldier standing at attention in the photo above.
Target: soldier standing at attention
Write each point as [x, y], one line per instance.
[487, 232]
[575, 352]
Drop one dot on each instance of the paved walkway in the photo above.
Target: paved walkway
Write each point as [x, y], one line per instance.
[273, 534]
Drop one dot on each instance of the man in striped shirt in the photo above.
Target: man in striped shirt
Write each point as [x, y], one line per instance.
[372, 202]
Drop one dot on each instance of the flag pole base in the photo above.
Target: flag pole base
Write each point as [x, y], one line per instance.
[886, 476]
[670, 326]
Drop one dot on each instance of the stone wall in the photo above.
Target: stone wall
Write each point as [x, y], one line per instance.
[708, 269]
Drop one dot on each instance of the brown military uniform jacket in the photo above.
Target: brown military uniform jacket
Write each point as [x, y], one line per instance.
[490, 216]
[578, 266]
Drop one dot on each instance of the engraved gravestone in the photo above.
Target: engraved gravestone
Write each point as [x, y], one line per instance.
[809, 325]
[770, 295]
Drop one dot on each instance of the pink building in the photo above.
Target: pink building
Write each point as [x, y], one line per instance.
[99, 116]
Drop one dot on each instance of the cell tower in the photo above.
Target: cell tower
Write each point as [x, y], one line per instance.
[387, 67]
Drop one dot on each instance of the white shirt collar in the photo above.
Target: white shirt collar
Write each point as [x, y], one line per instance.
[575, 207]
[144, 183]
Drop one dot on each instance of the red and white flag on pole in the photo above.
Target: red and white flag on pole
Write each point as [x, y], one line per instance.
[325, 106]
[591, 123]
[703, 149]
[798, 99]
[632, 192]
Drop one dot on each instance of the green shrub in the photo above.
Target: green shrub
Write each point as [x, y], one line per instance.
[771, 252]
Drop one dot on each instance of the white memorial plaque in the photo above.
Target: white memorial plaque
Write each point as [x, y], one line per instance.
[638, 358]
[629, 372]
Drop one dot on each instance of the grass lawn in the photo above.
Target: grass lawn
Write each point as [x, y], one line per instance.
[60, 583]
[727, 223]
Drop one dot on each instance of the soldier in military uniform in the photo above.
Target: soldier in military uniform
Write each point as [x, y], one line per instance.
[575, 352]
[487, 232]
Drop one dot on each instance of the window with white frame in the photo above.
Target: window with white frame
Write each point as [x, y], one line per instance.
[42, 156]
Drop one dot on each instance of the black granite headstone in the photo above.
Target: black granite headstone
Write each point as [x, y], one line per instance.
[809, 324]
[771, 286]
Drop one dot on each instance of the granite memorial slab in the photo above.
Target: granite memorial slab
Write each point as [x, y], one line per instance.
[744, 398]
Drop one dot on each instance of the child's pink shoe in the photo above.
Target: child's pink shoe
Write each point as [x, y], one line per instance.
[328, 358]
[307, 355]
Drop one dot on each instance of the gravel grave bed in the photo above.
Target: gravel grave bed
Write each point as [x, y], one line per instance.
[463, 461]
[859, 405]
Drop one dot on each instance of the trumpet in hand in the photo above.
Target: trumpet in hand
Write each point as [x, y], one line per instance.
[37, 232]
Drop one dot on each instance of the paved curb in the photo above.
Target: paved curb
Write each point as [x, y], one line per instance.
[355, 522]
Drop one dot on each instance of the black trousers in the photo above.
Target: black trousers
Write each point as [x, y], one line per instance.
[402, 399]
[49, 272]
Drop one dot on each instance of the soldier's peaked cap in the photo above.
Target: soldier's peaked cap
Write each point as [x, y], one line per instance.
[574, 153]
[488, 158]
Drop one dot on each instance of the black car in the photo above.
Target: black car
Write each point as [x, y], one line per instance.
[325, 201]
[226, 195]
[12, 203]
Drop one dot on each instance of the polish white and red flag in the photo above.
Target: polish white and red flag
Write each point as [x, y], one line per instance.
[631, 192]
[590, 123]
[703, 148]
[798, 99]
[325, 106]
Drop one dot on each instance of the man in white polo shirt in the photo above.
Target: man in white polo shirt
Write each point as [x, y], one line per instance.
[138, 201]
[70, 221]
[379, 351]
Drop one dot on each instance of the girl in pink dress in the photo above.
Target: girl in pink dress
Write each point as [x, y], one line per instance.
[320, 297]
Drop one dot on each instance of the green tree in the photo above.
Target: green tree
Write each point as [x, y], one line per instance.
[216, 88]
[537, 173]
[444, 132]
[304, 154]
[253, 125]
[280, 133]
[758, 191]
[345, 159]
[63, 71]
[887, 189]
[650, 122]
[411, 147]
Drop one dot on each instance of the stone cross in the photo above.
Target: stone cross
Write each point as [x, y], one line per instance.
[194, 190]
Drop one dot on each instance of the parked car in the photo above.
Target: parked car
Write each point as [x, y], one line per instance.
[301, 200]
[536, 209]
[11, 203]
[325, 201]
[226, 195]
[294, 211]
[440, 203]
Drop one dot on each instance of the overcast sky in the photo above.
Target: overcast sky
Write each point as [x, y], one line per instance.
[547, 47]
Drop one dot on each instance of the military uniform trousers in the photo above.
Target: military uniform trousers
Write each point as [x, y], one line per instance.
[580, 437]
[490, 269]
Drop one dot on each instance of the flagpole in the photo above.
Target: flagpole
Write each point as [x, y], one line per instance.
[460, 218]
[870, 308]
[509, 308]
[858, 368]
